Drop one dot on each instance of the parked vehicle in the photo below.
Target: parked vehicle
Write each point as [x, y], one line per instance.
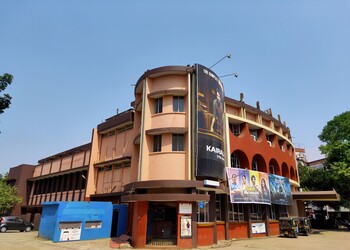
[304, 226]
[15, 223]
[289, 226]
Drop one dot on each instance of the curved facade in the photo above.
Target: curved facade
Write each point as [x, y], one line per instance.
[192, 165]
[150, 158]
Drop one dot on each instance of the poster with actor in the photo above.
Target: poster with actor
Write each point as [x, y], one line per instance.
[209, 124]
[246, 186]
[280, 190]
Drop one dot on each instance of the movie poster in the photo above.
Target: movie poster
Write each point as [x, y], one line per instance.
[248, 186]
[280, 190]
[210, 124]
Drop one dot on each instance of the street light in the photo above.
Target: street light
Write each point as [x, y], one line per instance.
[233, 74]
[228, 56]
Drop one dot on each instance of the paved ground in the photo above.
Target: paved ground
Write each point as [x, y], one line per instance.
[320, 239]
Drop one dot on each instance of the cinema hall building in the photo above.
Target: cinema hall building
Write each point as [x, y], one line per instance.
[191, 165]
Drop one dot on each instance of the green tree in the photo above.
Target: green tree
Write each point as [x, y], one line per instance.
[5, 100]
[336, 138]
[8, 196]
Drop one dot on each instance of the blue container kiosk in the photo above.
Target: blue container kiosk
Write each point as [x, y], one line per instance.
[69, 221]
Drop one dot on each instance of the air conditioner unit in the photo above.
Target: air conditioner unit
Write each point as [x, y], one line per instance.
[254, 137]
[269, 143]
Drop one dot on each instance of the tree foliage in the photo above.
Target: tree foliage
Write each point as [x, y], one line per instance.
[5, 100]
[336, 138]
[8, 196]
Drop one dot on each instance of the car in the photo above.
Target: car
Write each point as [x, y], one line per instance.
[15, 223]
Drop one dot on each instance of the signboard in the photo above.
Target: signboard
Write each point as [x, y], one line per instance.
[186, 227]
[185, 208]
[280, 190]
[209, 129]
[70, 234]
[248, 186]
[258, 228]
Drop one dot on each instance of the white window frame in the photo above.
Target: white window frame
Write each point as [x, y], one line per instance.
[178, 104]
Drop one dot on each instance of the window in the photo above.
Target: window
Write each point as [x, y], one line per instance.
[236, 129]
[271, 169]
[178, 104]
[255, 165]
[157, 143]
[254, 134]
[235, 212]
[158, 105]
[218, 207]
[202, 209]
[256, 213]
[273, 212]
[235, 161]
[283, 211]
[178, 142]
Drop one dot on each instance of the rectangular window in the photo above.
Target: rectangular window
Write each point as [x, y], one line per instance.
[158, 105]
[283, 210]
[178, 104]
[273, 212]
[157, 143]
[235, 212]
[178, 142]
[218, 207]
[202, 208]
[256, 213]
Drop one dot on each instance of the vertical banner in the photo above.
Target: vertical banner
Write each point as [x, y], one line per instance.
[186, 227]
[280, 190]
[210, 124]
[247, 186]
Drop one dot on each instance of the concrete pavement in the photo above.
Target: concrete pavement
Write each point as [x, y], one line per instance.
[320, 239]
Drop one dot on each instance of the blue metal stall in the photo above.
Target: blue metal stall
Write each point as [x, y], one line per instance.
[69, 221]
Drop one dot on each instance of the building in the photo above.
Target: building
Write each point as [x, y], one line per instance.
[18, 176]
[170, 158]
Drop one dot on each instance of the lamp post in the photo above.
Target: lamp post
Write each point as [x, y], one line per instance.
[228, 56]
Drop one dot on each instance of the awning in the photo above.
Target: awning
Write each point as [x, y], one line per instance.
[316, 196]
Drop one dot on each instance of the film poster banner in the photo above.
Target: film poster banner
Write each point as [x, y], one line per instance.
[280, 190]
[210, 106]
[248, 186]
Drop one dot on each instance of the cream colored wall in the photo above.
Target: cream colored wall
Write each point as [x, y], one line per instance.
[66, 163]
[92, 174]
[78, 160]
[169, 82]
[37, 170]
[46, 168]
[55, 167]
[166, 164]
[169, 120]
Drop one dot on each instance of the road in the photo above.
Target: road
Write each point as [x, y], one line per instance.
[320, 239]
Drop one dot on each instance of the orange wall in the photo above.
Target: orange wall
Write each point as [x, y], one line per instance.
[205, 235]
[238, 230]
[274, 228]
[139, 227]
[220, 230]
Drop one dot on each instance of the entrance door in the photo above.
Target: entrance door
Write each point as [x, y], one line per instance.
[162, 223]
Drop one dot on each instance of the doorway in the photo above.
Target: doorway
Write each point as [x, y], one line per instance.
[162, 224]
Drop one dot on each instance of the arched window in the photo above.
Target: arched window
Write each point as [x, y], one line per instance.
[235, 161]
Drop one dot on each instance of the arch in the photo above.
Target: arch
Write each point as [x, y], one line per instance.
[285, 171]
[274, 168]
[292, 173]
[260, 163]
[242, 158]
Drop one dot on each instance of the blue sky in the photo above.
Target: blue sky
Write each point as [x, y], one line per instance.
[74, 62]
